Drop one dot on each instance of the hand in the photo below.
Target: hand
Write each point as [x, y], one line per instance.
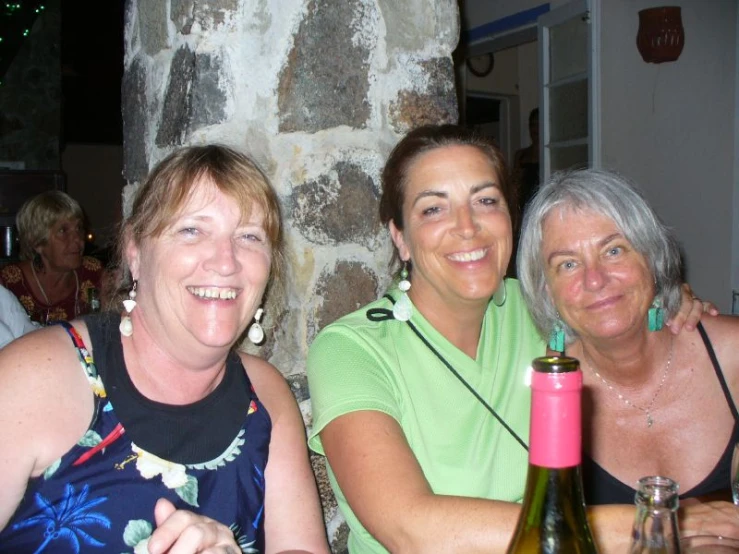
[709, 518]
[691, 311]
[183, 532]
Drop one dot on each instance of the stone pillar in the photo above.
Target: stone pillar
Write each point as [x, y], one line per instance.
[318, 91]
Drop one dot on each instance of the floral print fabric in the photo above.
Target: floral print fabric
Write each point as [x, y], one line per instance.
[89, 274]
[100, 496]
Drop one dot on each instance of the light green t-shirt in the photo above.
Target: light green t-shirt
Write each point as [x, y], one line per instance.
[359, 364]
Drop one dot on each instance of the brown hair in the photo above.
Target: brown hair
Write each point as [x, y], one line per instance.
[172, 181]
[424, 139]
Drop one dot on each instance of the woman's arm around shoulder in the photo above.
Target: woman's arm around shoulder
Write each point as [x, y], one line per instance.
[293, 518]
[692, 310]
[386, 488]
[46, 405]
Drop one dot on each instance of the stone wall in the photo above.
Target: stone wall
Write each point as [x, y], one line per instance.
[318, 91]
[30, 96]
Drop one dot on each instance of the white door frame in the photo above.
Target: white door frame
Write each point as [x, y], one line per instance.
[584, 8]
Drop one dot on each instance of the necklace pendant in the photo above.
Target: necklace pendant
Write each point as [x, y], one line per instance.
[650, 421]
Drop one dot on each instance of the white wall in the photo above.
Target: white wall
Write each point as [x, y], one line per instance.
[503, 79]
[528, 85]
[525, 75]
[94, 179]
[516, 73]
[671, 127]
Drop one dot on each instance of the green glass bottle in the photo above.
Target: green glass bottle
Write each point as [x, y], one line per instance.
[553, 519]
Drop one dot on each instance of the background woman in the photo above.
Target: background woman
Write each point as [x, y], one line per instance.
[53, 280]
[166, 437]
[597, 267]
[419, 400]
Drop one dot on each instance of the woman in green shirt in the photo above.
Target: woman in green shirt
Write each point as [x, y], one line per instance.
[419, 399]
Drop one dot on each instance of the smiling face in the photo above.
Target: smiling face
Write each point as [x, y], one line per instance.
[204, 276]
[457, 228]
[600, 285]
[63, 249]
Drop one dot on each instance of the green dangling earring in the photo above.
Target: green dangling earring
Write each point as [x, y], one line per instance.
[557, 337]
[656, 315]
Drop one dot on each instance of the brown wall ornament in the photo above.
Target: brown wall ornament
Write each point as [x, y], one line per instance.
[661, 36]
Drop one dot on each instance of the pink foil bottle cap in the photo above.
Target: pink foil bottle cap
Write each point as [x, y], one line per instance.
[556, 429]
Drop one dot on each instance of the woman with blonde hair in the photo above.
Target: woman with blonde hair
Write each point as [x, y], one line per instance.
[53, 281]
[146, 429]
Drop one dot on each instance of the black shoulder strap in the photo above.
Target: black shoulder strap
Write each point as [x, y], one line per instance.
[382, 314]
[719, 373]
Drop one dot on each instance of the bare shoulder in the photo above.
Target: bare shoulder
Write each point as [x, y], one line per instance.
[723, 333]
[292, 521]
[45, 355]
[721, 329]
[270, 385]
[45, 400]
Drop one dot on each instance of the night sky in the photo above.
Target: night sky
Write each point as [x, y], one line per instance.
[92, 67]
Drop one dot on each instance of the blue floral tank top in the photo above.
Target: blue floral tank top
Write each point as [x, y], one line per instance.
[100, 496]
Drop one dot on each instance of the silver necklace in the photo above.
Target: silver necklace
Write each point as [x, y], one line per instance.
[46, 298]
[648, 409]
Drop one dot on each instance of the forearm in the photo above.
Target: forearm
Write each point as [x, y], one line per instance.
[386, 489]
[611, 527]
[451, 524]
[297, 531]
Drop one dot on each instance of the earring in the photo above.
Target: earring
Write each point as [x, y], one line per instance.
[37, 262]
[256, 333]
[500, 295]
[403, 308]
[656, 315]
[126, 326]
[557, 336]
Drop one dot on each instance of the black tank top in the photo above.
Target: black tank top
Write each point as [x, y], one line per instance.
[603, 488]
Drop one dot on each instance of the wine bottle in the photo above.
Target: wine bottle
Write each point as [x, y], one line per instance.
[655, 524]
[553, 518]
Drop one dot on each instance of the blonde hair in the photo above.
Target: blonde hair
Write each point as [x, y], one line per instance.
[39, 214]
[172, 181]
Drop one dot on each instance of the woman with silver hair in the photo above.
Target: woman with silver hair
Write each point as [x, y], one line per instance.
[53, 280]
[419, 400]
[600, 275]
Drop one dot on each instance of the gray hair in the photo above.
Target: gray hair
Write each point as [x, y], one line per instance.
[613, 196]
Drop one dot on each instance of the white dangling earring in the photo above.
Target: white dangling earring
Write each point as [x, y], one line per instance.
[256, 333]
[126, 326]
[403, 309]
